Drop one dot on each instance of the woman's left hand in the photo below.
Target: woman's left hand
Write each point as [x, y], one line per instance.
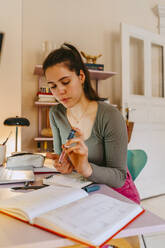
[78, 154]
[65, 167]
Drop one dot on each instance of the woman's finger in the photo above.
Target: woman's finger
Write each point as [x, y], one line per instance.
[52, 155]
[76, 140]
[64, 169]
[78, 148]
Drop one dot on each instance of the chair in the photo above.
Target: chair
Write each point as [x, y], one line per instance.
[136, 160]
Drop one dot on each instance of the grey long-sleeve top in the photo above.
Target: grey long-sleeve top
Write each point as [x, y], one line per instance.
[107, 144]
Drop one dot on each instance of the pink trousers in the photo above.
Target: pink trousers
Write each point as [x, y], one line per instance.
[129, 189]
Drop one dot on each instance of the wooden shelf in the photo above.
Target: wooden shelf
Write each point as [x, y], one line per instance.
[43, 139]
[94, 74]
[101, 75]
[45, 103]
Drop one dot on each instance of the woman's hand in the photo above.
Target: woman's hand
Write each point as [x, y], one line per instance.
[77, 152]
[65, 167]
[51, 155]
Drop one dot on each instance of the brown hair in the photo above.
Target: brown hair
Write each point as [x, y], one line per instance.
[70, 56]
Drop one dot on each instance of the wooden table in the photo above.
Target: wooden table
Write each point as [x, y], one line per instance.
[14, 233]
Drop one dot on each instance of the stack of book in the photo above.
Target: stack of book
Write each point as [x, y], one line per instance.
[45, 97]
[98, 67]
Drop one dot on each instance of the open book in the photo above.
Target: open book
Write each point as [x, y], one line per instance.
[72, 213]
[73, 179]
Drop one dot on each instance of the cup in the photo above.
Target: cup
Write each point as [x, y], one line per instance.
[2, 154]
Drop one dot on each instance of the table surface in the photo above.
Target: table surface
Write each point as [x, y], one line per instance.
[14, 233]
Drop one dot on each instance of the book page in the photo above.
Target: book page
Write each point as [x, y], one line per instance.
[32, 204]
[74, 180]
[93, 219]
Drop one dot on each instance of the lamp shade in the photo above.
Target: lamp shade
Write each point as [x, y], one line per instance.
[16, 121]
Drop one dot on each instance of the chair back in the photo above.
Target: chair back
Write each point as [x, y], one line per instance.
[136, 160]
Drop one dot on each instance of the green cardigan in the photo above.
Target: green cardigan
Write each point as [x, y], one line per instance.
[107, 144]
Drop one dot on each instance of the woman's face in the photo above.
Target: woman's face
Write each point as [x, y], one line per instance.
[65, 85]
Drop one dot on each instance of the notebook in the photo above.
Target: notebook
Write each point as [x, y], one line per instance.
[15, 176]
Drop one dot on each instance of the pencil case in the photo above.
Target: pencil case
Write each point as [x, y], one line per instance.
[22, 160]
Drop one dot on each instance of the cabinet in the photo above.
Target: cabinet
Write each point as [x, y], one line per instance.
[94, 75]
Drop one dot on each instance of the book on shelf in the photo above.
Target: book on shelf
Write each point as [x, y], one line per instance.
[44, 90]
[72, 213]
[99, 67]
[45, 97]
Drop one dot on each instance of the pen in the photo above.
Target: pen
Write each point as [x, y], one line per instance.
[71, 135]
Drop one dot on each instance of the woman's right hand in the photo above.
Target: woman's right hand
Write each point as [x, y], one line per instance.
[65, 167]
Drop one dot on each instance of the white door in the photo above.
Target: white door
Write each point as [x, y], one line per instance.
[143, 94]
[143, 74]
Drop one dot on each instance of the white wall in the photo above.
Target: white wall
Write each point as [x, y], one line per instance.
[10, 66]
[93, 26]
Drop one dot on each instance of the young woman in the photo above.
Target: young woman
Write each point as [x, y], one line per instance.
[99, 149]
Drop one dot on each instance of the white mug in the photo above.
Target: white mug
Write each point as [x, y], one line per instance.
[2, 154]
